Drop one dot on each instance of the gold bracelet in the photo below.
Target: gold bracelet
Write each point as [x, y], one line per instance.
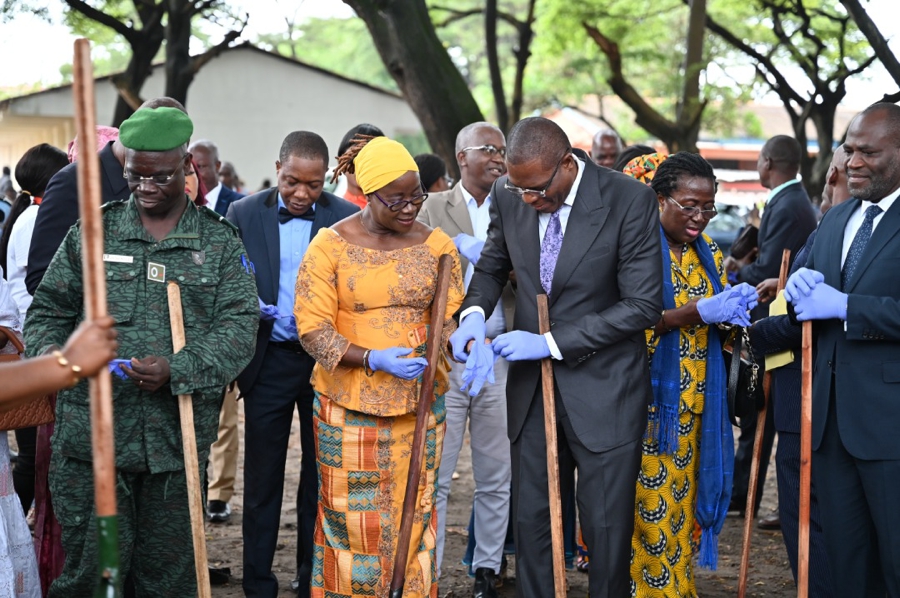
[76, 369]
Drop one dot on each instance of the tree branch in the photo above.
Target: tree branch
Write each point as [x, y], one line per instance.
[104, 19]
[780, 85]
[199, 61]
[459, 15]
[876, 40]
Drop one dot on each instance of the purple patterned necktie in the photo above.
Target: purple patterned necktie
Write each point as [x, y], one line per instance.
[553, 239]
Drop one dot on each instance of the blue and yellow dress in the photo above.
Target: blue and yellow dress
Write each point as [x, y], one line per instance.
[662, 546]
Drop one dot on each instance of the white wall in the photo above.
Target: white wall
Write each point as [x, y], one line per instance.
[246, 101]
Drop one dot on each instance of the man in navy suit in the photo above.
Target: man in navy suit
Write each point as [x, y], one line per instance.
[850, 291]
[277, 225]
[206, 155]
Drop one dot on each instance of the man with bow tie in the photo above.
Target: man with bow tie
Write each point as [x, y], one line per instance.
[276, 226]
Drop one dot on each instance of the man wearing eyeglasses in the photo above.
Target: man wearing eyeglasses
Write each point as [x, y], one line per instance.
[155, 236]
[464, 213]
[276, 226]
[589, 238]
[787, 221]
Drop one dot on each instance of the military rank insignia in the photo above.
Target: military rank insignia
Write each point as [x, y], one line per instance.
[156, 272]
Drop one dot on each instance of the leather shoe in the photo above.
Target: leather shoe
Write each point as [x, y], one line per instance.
[771, 523]
[218, 511]
[485, 583]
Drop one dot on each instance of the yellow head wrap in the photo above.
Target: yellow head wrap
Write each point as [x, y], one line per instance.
[381, 162]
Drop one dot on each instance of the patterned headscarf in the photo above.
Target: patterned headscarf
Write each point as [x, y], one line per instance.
[104, 136]
[643, 168]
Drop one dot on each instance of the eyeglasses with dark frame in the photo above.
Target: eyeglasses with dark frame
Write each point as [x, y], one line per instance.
[540, 193]
[396, 206]
[160, 180]
[490, 150]
[692, 211]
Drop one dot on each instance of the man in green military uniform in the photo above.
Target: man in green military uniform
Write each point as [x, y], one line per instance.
[155, 236]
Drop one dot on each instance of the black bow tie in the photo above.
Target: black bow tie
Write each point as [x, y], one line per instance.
[285, 216]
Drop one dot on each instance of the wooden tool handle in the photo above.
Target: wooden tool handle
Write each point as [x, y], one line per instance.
[805, 460]
[757, 452]
[423, 410]
[189, 447]
[549, 394]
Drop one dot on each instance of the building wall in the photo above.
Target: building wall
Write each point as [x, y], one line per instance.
[246, 101]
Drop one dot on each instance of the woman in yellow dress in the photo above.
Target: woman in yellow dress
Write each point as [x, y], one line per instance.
[688, 451]
[363, 300]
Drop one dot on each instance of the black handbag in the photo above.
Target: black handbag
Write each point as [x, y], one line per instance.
[744, 392]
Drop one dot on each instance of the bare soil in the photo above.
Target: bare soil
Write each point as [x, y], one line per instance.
[770, 574]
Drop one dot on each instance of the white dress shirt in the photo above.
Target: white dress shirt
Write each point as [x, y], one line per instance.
[480, 216]
[212, 196]
[17, 258]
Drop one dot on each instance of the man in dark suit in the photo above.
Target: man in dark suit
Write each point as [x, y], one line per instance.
[781, 333]
[849, 290]
[277, 225]
[589, 238]
[59, 207]
[206, 155]
[787, 221]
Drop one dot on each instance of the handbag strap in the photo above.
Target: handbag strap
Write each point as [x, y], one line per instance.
[734, 374]
[20, 348]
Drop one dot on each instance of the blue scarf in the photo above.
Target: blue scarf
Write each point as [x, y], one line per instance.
[716, 436]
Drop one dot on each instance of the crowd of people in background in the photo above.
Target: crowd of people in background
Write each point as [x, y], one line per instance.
[343, 261]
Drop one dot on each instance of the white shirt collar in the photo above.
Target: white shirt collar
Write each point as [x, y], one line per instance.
[570, 198]
[885, 204]
[470, 199]
[212, 196]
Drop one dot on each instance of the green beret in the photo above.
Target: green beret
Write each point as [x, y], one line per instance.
[156, 129]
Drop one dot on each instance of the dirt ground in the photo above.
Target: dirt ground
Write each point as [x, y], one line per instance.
[770, 574]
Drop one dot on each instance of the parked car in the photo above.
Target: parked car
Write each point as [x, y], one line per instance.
[725, 227]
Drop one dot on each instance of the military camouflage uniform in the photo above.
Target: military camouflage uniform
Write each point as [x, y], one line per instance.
[221, 316]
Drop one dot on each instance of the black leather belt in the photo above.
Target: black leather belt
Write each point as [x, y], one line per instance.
[292, 346]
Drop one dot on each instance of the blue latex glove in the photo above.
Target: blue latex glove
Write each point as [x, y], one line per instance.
[801, 283]
[118, 371]
[468, 246]
[268, 313]
[731, 305]
[471, 328]
[479, 369]
[824, 302]
[291, 325]
[519, 345]
[394, 362]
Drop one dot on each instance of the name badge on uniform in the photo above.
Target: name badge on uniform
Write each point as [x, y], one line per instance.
[118, 259]
[156, 272]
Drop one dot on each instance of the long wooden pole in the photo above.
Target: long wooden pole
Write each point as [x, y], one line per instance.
[805, 460]
[189, 447]
[757, 452]
[556, 526]
[94, 283]
[423, 411]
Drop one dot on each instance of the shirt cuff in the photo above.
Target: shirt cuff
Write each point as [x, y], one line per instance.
[472, 309]
[554, 350]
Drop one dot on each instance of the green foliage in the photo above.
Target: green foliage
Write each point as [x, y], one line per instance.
[343, 46]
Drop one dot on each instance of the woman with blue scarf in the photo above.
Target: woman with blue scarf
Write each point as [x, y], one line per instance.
[688, 450]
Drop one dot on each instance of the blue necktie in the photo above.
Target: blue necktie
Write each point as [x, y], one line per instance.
[553, 239]
[859, 245]
[285, 216]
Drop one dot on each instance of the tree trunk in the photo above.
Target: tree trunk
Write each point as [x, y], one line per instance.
[490, 44]
[179, 74]
[414, 56]
[130, 82]
[523, 53]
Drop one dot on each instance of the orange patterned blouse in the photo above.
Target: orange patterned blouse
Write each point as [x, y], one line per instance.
[374, 299]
